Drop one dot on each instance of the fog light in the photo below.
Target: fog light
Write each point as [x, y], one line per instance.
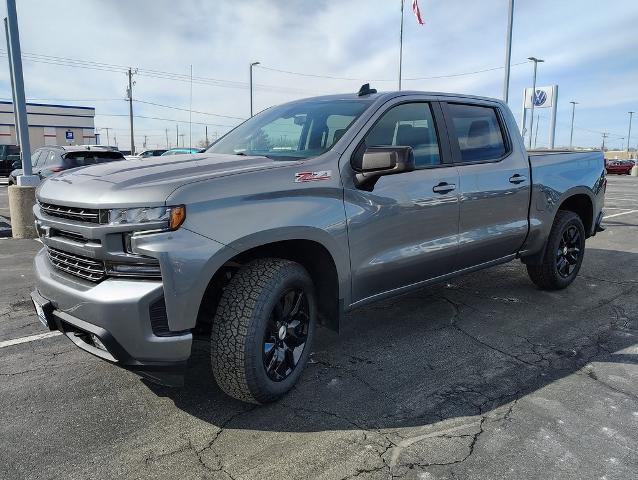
[97, 342]
[134, 270]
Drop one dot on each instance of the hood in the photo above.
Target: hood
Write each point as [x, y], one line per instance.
[146, 182]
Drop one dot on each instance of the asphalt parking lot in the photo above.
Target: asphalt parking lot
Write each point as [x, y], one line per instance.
[485, 377]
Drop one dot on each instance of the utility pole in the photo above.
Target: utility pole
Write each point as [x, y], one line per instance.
[182, 135]
[115, 140]
[166, 138]
[571, 134]
[631, 114]
[177, 134]
[536, 62]
[508, 51]
[401, 45]
[108, 137]
[605, 135]
[251, 86]
[190, 114]
[129, 93]
[206, 129]
[145, 140]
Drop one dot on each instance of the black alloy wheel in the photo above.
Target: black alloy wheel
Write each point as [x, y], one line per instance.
[286, 334]
[568, 252]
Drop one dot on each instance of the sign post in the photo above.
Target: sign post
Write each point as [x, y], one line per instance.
[542, 97]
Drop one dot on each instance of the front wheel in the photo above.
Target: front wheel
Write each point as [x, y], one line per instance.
[263, 330]
[563, 253]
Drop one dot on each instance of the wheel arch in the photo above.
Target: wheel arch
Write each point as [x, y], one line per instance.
[582, 205]
[321, 262]
[578, 200]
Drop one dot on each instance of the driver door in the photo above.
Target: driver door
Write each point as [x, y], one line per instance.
[404, 231]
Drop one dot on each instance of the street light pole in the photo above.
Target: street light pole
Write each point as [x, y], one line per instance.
[536, 62]
[631, 114]
[251, 86]
[20, 105]
[508, 51]
[571, 134]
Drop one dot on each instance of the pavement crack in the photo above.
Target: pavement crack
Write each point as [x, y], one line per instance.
[590, 373]
[454, 324]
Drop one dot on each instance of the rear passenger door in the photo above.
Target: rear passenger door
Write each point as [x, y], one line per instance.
[494, 182]
[404, 230]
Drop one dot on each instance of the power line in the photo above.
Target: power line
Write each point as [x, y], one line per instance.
[187, 110]
[134, 100]
[162, 119]
[159, 74]
[333, 77]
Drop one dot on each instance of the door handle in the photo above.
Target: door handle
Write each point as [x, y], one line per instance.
[443, 187]
[517, 178]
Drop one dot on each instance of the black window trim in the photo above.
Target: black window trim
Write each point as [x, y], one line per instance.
[454, 144]
[445, 152]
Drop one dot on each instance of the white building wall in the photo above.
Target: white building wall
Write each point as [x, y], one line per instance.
[48, 124]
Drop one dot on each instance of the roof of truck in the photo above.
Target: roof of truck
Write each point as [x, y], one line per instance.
[383, 96]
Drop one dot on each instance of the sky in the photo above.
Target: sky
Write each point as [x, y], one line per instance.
[590, 48]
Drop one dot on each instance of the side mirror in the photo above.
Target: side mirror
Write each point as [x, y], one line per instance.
[379, 161]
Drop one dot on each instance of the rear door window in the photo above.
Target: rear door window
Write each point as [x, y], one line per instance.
[478, 132]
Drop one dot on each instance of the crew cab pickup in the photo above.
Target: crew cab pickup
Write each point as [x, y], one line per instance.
[301, 213]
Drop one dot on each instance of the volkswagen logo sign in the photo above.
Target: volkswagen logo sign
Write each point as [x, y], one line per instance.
[540, 97]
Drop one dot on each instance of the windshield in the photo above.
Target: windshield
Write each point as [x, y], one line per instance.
[293, 131]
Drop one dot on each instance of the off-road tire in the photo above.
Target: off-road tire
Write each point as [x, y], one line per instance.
[545, 274]
[239, 325]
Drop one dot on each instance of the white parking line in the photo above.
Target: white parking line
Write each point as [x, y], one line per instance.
[32, 338]
[618, 214]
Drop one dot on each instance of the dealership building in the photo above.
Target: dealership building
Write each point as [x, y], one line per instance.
[50, 125]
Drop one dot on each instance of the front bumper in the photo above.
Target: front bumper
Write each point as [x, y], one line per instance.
[117, 311]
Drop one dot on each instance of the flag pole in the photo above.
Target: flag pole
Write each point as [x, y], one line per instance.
[401, 44]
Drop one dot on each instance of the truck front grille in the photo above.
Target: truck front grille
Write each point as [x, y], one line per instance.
[91, 215]
[77, 265]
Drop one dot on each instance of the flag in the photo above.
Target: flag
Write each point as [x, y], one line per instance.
[417, 12]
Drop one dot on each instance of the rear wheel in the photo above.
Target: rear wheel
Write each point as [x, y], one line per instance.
[262, 330]
[563, 253]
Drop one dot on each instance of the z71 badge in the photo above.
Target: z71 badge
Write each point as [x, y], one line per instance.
[313, 176]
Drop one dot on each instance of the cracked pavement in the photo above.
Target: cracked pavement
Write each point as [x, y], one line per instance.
[483, 377]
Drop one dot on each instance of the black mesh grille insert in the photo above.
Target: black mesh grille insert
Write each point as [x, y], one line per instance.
[159, 320]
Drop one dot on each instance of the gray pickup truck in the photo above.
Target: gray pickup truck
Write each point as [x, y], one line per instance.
[303, 212]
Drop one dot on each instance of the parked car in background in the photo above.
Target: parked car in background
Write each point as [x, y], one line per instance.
[8, 155]
[264, 236]
[620, 167]
[181, 151]
[47, 161]
[156, 152]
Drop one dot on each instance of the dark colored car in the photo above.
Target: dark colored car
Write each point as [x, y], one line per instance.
[620, 167]
[9, 154]
[47, 161]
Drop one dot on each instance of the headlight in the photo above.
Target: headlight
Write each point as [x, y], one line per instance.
[172, 217]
